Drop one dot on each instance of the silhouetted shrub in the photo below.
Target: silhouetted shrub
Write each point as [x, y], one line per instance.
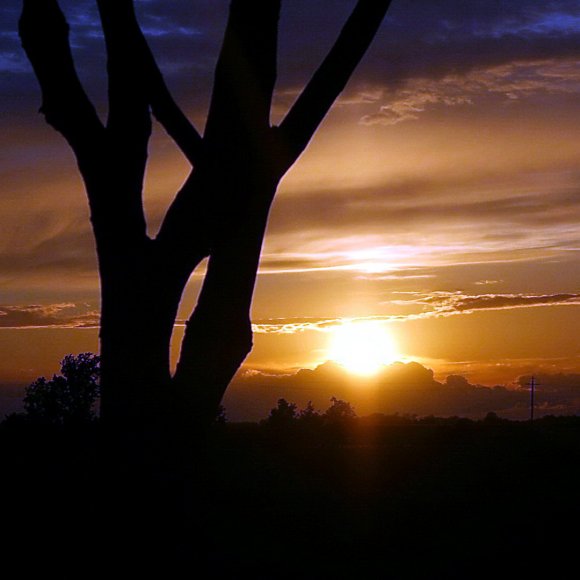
[309, 417]
[339, 412]
[493, 419]
[283, 415]
[68, 398]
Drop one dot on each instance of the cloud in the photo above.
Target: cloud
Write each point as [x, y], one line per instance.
[452, 303]
[418, 39]
[47, 246]
[429, 305]
[408, 108]
[399, 388]
[428, 40]
[296, 325]
[65, 315]
[509, 82]
[427, 213]
[553, 383]
[442, 198]
[433, 305]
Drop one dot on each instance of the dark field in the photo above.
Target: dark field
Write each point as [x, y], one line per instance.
[371, 498]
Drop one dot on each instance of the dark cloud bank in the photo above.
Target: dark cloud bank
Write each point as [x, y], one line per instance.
[401, 388]
[421, 39]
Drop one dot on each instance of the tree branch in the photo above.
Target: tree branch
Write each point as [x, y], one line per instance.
[136, 82]
[218, 336]
[329, 80]
[238, 138]
[184, 235]
[129, 121]
[245, 73]
[172, 118]
[65, 105]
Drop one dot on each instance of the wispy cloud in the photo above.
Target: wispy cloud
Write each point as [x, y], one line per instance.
[65, 315]
[543, 23]
[452, 303]
[295, 325]
[430, 305]
[511, 82]
[435, 304]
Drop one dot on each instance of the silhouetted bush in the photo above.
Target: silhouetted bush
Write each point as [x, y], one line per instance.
[339, 412]
[493, 419]
[282, 416]
[309, 418]
[69, 398]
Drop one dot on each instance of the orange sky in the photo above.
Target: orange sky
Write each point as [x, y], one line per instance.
[442, 202]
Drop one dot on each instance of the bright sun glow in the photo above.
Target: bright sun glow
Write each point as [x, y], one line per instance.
[362, 347]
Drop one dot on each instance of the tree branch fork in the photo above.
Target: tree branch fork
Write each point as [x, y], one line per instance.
[222, 209]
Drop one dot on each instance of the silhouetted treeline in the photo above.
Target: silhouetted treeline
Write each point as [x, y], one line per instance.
[71, 400]
[306, 493]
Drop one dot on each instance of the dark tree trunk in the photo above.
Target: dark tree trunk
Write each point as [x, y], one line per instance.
[221, 211]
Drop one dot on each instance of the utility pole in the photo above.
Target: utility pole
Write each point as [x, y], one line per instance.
[532, 384]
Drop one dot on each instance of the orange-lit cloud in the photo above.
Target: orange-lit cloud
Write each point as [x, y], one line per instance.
[508, 82]
[401, 388]
[452, 303]
[47, 316]
[435, 305]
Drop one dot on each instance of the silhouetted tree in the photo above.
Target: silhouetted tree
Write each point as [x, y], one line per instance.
[220, 212]
[68, 398]
[338, 420]
[492, 418]
[309, 415]
[339, 411]
[283, 415]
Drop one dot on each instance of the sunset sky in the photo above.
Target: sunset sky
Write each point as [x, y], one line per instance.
[439, 201]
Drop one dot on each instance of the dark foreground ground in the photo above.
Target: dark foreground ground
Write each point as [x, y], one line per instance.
[445, 500]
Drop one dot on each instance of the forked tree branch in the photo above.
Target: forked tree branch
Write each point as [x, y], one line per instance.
[222, 209]
[65, 105]
[218, 335]
[236, 132]
[136, 82]
[172, 118]
[329, 80]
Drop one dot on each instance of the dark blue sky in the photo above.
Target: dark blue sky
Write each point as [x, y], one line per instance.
[419, 38]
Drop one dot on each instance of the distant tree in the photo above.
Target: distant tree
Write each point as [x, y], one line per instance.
[283, 415]
[339, 412]
[493, 418]
[220, 213]
[309, 414]
[310, 423]
[68, 398]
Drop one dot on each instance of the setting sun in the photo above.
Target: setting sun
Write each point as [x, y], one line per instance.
[362, 347]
